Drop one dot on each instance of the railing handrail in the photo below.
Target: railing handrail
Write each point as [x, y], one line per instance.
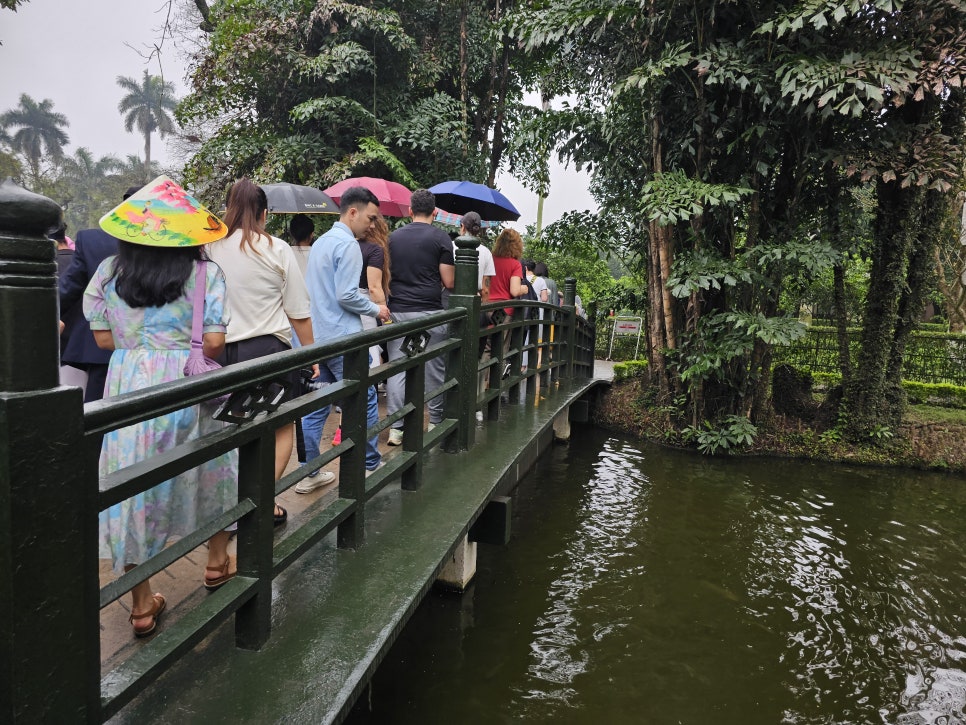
[109, 414]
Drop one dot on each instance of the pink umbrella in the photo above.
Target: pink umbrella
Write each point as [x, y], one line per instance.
[393, 197]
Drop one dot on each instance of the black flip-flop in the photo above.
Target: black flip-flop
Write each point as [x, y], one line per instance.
[282, 517]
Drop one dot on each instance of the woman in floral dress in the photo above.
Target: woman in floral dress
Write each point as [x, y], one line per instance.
[140, 305]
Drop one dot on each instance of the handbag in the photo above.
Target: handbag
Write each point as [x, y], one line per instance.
[198, 362]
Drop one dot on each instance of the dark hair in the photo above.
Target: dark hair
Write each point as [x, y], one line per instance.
[152, 276]
[540, 269]
[131, 191]
[529, 264]
[358, 196]
[301, 228]
[422, 202]
[246, 205]
[58, 232]
[472, 223]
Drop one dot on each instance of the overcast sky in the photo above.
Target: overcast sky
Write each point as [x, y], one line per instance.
[71, 51]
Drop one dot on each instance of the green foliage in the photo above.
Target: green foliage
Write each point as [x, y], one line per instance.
[733, 433]
[314, 92]
[629, 369]
[723, 338]
[673, 197]
[572, 246]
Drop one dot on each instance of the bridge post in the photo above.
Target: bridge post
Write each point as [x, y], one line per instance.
[49, 605]
[464, 362]
[570, 324]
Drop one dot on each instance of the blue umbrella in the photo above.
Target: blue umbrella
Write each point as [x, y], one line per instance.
[461, 197]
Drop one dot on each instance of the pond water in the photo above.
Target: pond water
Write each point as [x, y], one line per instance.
[643, 585]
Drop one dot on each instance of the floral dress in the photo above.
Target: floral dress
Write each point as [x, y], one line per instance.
[152, 345]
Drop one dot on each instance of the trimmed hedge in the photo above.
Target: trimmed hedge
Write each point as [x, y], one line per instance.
[941, 394]
[629, 369]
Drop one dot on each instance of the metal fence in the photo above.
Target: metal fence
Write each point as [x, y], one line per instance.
[930, 357]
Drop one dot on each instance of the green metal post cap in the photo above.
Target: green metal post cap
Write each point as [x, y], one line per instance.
[24, 213]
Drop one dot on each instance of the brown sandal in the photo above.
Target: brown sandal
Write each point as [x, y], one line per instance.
[154, 613]
[224, 575]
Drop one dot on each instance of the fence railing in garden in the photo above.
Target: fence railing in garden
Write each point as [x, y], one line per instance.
[930, 357]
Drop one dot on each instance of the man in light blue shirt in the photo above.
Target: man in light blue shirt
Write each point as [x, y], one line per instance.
[334, 269]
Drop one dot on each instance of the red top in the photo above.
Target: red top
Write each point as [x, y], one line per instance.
[506, 267]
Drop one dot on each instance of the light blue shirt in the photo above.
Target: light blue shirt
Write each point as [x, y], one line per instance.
[334, 269]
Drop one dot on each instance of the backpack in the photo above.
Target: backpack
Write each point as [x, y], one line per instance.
[531, 293]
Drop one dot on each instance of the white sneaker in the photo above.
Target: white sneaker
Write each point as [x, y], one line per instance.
[308, 485]
[370, 471]
[395, 437]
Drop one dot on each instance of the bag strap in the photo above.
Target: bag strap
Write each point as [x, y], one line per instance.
[198, 302]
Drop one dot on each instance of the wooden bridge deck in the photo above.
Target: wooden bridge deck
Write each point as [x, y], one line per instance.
[336, 612]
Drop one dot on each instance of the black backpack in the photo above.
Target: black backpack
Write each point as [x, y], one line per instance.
[531, 293]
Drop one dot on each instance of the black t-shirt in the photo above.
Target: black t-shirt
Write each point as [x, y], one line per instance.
[372, 256]
[415, 252]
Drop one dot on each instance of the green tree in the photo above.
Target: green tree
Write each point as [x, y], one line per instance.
[576, 245]
[35, 130]
[718, 129]
[404, 90]
[9, 166]
[147, 107]
[90, 186]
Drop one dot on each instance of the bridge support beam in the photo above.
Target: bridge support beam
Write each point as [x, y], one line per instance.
[460, 568]
[561, 425]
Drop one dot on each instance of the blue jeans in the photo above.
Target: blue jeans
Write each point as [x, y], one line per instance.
[330, 371]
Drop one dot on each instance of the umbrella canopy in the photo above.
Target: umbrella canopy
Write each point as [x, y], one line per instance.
[393, 197]
[162, 214]
[285, 198]
[462, 197]
[455, 220]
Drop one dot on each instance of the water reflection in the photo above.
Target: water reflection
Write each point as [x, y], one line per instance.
[599, 551]
[648, 586]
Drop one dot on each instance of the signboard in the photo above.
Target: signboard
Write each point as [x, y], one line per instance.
[627, 327]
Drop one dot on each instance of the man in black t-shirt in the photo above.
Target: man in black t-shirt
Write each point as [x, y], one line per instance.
[422, 266]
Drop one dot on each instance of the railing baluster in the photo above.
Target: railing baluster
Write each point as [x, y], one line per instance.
[256, 481]
[352, 464]
[412, 477]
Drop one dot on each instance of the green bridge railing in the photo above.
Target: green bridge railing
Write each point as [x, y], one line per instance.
[51, 494]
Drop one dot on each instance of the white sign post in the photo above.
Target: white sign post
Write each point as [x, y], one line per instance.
[626, 326]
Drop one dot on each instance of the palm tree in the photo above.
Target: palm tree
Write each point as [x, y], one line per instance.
[38, 128]
[146, 107]
[92, 185]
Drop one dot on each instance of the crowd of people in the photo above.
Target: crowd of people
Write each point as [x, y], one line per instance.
[129, 312]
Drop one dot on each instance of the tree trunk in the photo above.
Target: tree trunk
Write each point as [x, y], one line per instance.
[866, 401]
[841, 321]
[464, 71]
[499, 121]
[147, 156]
[919, 281]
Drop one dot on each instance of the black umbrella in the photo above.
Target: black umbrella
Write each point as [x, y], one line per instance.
[285, 198]
[461, 197]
